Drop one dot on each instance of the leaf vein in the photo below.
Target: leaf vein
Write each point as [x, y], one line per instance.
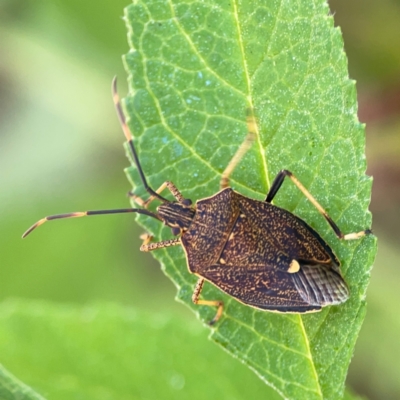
[266, 338]
[196, 52]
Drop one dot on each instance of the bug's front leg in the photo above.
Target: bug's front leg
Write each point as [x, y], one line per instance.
[147, 246]
[216, 303]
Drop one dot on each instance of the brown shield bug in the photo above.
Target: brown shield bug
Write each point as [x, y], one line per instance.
[260, 254]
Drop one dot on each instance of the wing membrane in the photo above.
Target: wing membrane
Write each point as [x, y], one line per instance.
[312, 287]
[319, 284]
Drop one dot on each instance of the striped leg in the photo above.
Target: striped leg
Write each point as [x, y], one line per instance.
[278, 183]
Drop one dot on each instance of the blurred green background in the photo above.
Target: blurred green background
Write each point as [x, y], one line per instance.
[61, 150]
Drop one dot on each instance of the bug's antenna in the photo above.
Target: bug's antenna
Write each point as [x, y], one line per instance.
[129, 139]
[88, 213]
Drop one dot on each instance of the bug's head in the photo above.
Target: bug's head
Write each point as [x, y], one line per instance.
[177, 215]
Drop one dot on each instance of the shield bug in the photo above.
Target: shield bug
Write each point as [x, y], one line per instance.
[258, 253]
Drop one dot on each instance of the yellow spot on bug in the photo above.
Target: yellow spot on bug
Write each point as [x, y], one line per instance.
[293, 267]
[222, 261]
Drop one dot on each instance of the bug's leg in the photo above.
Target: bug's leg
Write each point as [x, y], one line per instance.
[166, 185]
[215, 303]
[277, 183]
[147, 246]
[248, 141]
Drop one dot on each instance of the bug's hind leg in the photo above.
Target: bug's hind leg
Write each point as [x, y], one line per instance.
[216, 303]
[248, 141]
[166, 185]
[277, 183]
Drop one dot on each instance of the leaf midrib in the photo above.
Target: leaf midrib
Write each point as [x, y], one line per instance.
[266, 177]
[249, 95]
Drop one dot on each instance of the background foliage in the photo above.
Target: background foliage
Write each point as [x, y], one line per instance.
[54, 47]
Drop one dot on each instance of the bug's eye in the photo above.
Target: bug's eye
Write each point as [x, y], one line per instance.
[176, 231]
[187, 202]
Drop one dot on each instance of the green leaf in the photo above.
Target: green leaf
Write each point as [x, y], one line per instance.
[194, 68]
[108, 351]
[12, 389]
